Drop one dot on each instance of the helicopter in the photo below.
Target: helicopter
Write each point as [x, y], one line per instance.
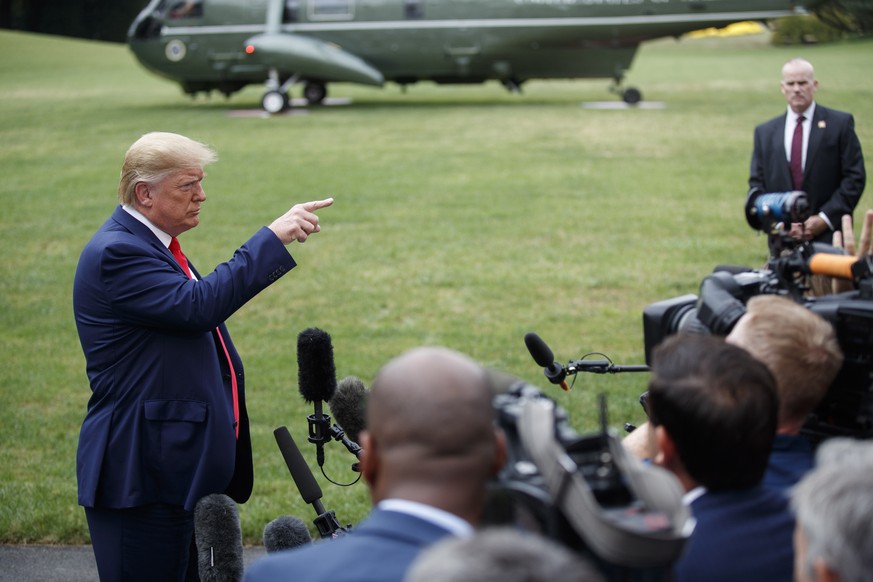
[225, 45]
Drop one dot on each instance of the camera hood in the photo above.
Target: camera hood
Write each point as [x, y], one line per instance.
[649, 532]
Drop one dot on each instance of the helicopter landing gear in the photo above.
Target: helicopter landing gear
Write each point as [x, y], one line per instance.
[630, 95]
[275, 101]
[276, 98]
[314, 92]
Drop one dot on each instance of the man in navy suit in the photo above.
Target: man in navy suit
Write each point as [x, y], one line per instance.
[430, 449]
[713, 413]
[825, 162]
[166, 422]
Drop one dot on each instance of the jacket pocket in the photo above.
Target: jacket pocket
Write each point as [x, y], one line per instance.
[175, 433]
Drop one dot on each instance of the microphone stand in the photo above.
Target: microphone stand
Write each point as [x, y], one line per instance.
[351, 446]
[602, 367]
[319, 427]
[326, 522]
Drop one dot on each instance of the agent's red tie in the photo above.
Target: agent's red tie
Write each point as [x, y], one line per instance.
[176, 249]
[797, 154]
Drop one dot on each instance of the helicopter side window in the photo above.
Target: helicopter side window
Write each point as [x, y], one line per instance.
[291, 13]
[331, 9]
[185, 9]
[413, 9]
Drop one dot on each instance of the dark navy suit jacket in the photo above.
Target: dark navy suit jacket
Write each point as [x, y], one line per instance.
[380, 549]
[159, 426]
[834, 176]
[744, 535]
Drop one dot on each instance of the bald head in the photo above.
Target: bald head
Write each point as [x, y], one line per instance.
[430, 429]
[798, 84]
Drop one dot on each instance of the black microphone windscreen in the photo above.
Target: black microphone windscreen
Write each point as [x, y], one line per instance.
[218, 537]
[286, 532]
[539, 351]
[349, 405]
[303, 477]
[316, 372]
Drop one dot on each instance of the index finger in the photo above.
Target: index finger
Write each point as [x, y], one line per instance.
[848, 234]
[317, 204]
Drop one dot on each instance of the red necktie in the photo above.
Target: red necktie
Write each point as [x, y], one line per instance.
[176, 249]
[797, 155]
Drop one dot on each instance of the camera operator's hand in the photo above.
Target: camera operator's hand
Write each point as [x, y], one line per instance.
[809, 229]
[846, 240]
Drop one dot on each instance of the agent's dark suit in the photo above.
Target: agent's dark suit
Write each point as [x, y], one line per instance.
[740, 535]
[380, 549]
[834, 176]
[159, 428]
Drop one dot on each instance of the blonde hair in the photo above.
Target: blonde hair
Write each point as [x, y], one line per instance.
[155, 156]
[798, 346]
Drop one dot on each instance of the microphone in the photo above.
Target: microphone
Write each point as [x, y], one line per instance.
[284, 533]
[218, 537]
[543, 356]
[348, 406]
[316, 378]
[839, 266]
[326, 521]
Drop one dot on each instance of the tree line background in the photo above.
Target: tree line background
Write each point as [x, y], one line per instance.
[108, 20]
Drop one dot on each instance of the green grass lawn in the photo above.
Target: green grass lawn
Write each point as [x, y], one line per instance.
[464, 216]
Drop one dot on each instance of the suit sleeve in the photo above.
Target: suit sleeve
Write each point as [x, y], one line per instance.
[853, 176]
[145, 288]
[756, 169]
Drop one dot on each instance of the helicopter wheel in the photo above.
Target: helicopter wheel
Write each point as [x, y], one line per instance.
[314, 92]
[631, 96]
[274, 101]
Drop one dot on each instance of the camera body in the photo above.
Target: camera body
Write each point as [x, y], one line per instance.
[847, 409]
[585, 491]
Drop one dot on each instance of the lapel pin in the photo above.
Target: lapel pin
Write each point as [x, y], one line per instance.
[822, 124]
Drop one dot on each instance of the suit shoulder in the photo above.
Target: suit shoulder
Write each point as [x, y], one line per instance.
[770, 123]
[834, 115]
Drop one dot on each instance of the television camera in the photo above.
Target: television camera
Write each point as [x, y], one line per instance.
[584, 490]
[847, 409]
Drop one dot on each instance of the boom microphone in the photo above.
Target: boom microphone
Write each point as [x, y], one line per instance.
[348, 406]
[326, 521]
[316, 378]
[284, 533]
[543, 356]
[218, 537]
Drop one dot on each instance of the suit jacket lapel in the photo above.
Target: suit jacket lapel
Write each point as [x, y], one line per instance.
[137, 228]
[816, 133]
[782, 162]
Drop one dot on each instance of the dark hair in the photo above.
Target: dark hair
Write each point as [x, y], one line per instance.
[719, 405]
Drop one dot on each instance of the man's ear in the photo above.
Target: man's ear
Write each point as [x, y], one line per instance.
[500, 452]
[369, 461]
[665, 454]
[143, 194]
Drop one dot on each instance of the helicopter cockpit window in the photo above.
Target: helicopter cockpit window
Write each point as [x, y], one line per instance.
[331, 8]
[185, 9]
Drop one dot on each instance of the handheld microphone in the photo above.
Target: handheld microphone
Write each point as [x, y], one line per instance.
[218, 537]
[326, 522]
[284, 533]
[316, 378]
[543, 356]
[348, 406]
